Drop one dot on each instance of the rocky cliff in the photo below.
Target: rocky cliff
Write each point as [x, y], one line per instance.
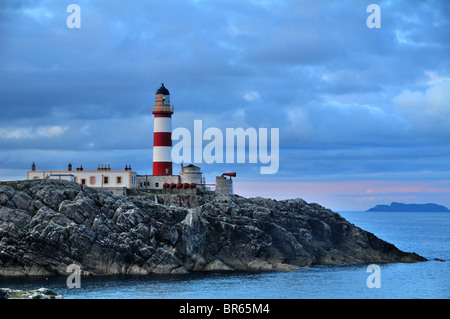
[47, 225]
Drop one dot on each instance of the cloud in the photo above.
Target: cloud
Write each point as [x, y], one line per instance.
[51, 131]
[350, 102]
[32, 133]
[251, 95]
[435, 78]
[335, 123]
[342, 195]
[429, 110]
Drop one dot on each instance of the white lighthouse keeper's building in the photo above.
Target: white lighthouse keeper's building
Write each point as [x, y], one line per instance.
[112, 180]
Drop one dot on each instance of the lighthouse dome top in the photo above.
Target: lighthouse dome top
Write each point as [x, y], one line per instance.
[163, 90]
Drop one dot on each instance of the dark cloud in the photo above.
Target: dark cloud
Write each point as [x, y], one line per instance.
[348, 100]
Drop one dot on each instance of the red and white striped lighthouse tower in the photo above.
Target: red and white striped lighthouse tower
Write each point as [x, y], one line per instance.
[162, 133]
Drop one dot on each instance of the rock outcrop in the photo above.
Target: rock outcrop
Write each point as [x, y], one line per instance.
[41, 293]
[46, 225]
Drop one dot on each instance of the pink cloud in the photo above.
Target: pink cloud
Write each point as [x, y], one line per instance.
[350, 194]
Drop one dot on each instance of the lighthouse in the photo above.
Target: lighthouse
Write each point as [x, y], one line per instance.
[190, 180]
[162, 133]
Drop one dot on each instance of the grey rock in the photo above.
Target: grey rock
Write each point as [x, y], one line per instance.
[22, 200]
[46, 225]
[3, 293]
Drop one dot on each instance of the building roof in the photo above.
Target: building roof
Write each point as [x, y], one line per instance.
[163, 90]
[190, 168]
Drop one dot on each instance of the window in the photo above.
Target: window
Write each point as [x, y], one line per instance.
[105, 180]
[92, 180]
[156, 184]
[83, 181]
[119, 180]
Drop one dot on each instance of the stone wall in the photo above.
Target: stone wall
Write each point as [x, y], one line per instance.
[150, 182]
[224, 186]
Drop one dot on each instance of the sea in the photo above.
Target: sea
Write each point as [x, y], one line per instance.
[427, 234]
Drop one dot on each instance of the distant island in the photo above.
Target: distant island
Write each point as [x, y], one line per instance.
[401, 207]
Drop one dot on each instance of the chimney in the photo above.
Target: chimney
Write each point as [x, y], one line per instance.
[69, 167]
[126, 167]
[33, 167]
[109, 168]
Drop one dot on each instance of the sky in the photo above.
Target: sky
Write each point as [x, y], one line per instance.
[363, 113]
